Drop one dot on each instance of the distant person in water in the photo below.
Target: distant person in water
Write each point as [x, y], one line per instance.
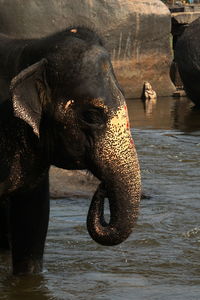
[149, 93]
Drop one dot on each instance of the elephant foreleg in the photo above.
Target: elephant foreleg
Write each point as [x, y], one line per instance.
[29, 216]
[4, 224]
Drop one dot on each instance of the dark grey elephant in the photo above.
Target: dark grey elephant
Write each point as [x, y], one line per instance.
[187, 56]
[64, 108]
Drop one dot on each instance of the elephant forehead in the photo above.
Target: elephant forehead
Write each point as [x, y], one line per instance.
[95, 50]
[99, 102]
[94, 54]
[116, 107]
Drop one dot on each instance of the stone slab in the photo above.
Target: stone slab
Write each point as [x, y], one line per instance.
[136, 33]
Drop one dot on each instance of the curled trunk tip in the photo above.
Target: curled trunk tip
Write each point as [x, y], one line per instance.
[114, 232]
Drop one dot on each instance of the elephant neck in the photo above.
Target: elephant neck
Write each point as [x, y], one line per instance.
[22, 159]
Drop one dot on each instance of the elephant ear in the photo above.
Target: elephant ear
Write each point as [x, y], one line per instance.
[28, 91]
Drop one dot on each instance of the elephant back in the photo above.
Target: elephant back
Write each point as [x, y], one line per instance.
[187, 56]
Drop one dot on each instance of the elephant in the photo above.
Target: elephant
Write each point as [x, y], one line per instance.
[62, 105]
[187, 57]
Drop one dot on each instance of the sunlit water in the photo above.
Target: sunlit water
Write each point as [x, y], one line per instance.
[161, 259]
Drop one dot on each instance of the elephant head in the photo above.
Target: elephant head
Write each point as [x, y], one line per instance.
[72, 100]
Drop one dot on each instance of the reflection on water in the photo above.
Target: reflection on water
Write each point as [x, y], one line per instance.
[24, 288]
[161, 259]
[165, 113]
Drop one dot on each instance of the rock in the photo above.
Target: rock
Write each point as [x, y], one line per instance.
[179, 93]
[185, 17]
[70, 184]
[136, 33]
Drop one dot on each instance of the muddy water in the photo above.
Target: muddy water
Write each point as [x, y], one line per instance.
[161, 259]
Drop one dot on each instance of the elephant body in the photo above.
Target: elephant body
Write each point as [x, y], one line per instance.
[187, 56]
[60, 104]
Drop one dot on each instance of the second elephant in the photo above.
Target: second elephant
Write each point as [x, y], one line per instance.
[187, 56]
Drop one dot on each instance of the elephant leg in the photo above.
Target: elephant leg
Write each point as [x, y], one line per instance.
[29, 218]
[4, 224]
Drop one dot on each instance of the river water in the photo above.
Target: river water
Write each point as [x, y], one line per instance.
[161, 259]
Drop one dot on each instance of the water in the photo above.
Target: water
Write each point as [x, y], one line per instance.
[161, 259]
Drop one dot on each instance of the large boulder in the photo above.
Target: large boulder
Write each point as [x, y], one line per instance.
[72, 184]
[187, 56]
[136, 33]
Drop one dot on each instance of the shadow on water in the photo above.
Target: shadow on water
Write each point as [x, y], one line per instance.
[161, 259]
[29, 287]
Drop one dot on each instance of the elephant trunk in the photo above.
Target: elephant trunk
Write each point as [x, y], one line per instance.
[120, 175]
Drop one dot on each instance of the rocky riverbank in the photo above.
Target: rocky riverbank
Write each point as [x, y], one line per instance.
[136, 33]
[71, 184]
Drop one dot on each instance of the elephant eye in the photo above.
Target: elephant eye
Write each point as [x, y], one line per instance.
[94, 116]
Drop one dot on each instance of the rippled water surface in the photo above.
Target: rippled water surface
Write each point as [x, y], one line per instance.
[161, 259]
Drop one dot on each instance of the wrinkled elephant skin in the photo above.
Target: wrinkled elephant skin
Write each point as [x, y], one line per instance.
[187, 56]
[61, 105]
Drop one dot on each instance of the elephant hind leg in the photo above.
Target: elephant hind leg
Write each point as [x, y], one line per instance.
[4, 225]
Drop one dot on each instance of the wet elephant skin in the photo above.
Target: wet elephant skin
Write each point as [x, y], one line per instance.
[187, 56]
[61, 105]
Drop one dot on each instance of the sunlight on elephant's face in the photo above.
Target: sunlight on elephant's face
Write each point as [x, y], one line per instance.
[85, 112]
[66, 109]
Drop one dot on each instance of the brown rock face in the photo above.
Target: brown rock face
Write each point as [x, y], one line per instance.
[136, 33]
